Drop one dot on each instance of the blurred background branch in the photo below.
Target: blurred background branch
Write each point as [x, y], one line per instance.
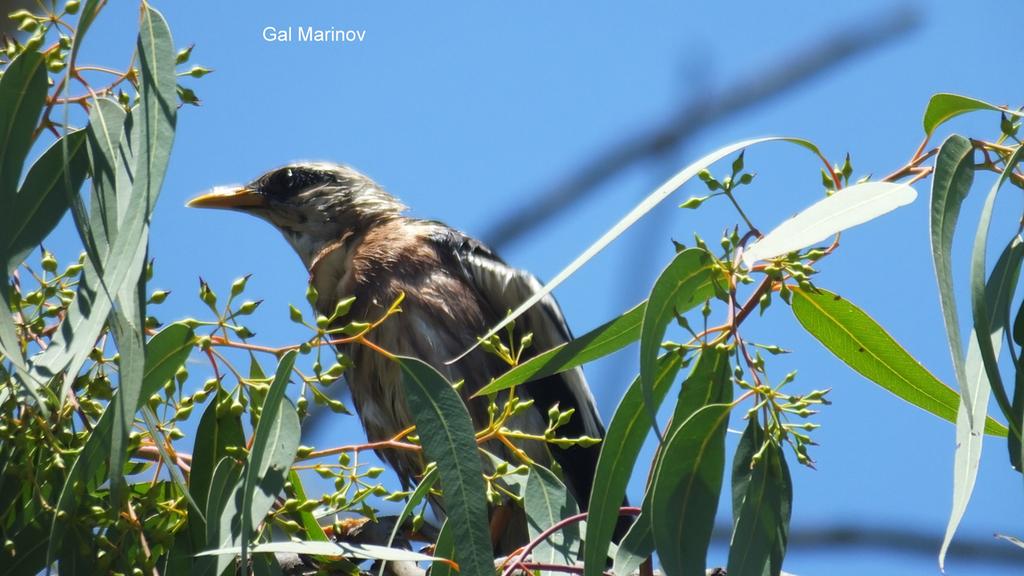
[804, 65]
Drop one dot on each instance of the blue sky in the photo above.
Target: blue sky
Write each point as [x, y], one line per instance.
[469, 110]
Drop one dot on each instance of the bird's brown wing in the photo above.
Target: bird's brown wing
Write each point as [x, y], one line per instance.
[504, 288]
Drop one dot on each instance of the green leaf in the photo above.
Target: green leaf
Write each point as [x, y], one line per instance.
[314, 531]
[547, 502]
[124, 262]
[157, 103]
[677, 289]
[856, 339]
[849, 207]
[22, 97]
[43, 197]
[444, 547]
[951, 183]
[969, 433]
[143, 371]
[685, 487]
[421, 491]
[979, 304]
[447, 436]
[339, 548]
[224, 511]
[168, 350]
[39, 205]
[636, 546]
[106, 126]
[762, 502]
[943, 107]
[619, 450]
[274, 443]
[627, 221]
[598, 343]
[213, 437]
[709, 382]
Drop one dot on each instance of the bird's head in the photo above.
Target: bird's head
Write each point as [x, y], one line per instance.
[312, 204]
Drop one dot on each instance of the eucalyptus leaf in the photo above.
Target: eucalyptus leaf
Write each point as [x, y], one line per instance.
[444, 548]
[685, 487]
[627, 430]
[106, 124]
[943, 107]
[42, 199]
[224, 514]
[861, 343]
[634, 215]
[102, 281]
[951, 182]
[168, 350]
[762, 503]
[636, 547]
[849, 207]
[980, 305]
[547, 502]
[448, 438]
[599, 342]
[339, 548]
[274, 442]
[969, 433]
[22, 97]
[676, 290]
[417, 496]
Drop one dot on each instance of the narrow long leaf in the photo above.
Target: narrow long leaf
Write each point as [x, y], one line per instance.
[273, 450]
[942, 107]
[969, 433]
[22, 97]
[954, 174]
[861, 343]
[685, 488]
[627, 430]
[762, 501]
[42, 200]
[417, 496]
[223, 513]
[675, 290]
[339, 548]
[39, 205]
[636, 546]
[168, 350]
[547, 501]
[979, 305]
[641, 209]
[156, 119]
[444, 548]
[598, 343]
[314, 531]
[849, 207]
[446, 433]
[106, 125]
[215, 434]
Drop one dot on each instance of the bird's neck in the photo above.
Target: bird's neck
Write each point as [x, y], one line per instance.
[330, 269]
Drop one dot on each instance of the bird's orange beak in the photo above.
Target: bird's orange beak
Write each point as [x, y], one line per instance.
[228, 197]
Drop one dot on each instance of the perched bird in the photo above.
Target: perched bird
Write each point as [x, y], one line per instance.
[354, 240]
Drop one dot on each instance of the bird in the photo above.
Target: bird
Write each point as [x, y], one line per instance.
[354, 239]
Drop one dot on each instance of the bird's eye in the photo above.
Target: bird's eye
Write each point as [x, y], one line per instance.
[280, 183]
[287, 182]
